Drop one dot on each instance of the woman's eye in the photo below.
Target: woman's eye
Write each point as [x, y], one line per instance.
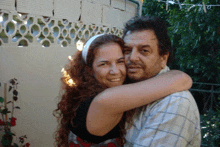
[102, 64]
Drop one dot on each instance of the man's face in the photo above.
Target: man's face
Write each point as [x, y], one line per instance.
[142, 57]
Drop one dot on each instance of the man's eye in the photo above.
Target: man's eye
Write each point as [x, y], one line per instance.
[144, 50]
[127, 51]
[121, 61]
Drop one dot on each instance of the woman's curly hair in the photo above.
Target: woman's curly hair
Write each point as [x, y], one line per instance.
[84, 85]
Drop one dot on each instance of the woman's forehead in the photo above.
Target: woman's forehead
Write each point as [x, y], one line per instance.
[109, 51]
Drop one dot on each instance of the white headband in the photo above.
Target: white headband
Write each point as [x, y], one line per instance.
[86, 47]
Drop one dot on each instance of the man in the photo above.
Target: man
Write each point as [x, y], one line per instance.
[170, 122]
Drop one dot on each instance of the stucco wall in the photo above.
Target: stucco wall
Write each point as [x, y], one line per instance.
[36, 38]
[88, 11]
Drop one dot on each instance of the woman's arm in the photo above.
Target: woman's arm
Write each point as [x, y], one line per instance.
[108, 107]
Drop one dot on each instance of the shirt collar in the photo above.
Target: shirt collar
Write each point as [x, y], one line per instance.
[166, 69]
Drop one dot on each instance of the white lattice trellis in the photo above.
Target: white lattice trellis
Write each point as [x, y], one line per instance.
[24, 29]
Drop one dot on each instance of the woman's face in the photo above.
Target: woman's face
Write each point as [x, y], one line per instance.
[108, 66]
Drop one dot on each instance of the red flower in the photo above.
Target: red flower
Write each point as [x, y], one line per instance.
[21, 140]
[13, 121]
[27, 144]
[2, 122]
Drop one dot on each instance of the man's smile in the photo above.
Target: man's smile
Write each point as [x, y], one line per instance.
[133, 69]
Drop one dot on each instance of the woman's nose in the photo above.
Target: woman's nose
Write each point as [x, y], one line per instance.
[114, 69]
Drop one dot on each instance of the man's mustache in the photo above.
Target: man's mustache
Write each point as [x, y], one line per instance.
[135, 65]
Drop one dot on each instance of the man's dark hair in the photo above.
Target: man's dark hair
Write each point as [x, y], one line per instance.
[141, 23]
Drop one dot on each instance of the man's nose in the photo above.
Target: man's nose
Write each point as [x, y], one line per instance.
[133, 55]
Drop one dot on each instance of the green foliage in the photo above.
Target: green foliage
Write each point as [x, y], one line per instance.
[6, 139]
[16, 145]
[1, 99]
[5, 111]
[210, 127]
[195, 35]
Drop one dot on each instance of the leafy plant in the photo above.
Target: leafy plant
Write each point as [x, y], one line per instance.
[5, 122]
[195, 35]
[210, 127]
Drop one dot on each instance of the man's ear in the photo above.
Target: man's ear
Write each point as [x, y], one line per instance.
[164, 59]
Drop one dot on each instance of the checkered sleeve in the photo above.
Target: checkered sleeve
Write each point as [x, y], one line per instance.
[171, 122]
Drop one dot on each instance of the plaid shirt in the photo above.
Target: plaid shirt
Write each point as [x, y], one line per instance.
[173, 121]
[75, 141]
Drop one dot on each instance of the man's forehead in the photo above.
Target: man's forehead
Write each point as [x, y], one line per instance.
[140, 35]
[129, 32]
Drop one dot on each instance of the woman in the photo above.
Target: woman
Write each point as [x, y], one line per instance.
[100, 66]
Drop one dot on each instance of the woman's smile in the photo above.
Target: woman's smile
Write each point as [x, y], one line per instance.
[108, 66]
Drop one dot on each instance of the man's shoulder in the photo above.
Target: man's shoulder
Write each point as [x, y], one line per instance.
[181, 94]
[182, 98]
[175, 96]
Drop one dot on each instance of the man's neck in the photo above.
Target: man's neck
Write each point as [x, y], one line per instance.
[166, 69]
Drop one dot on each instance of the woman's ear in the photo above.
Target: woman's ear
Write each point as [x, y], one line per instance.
[89, 70]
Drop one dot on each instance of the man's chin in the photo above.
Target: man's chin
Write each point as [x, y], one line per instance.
[134, 78]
